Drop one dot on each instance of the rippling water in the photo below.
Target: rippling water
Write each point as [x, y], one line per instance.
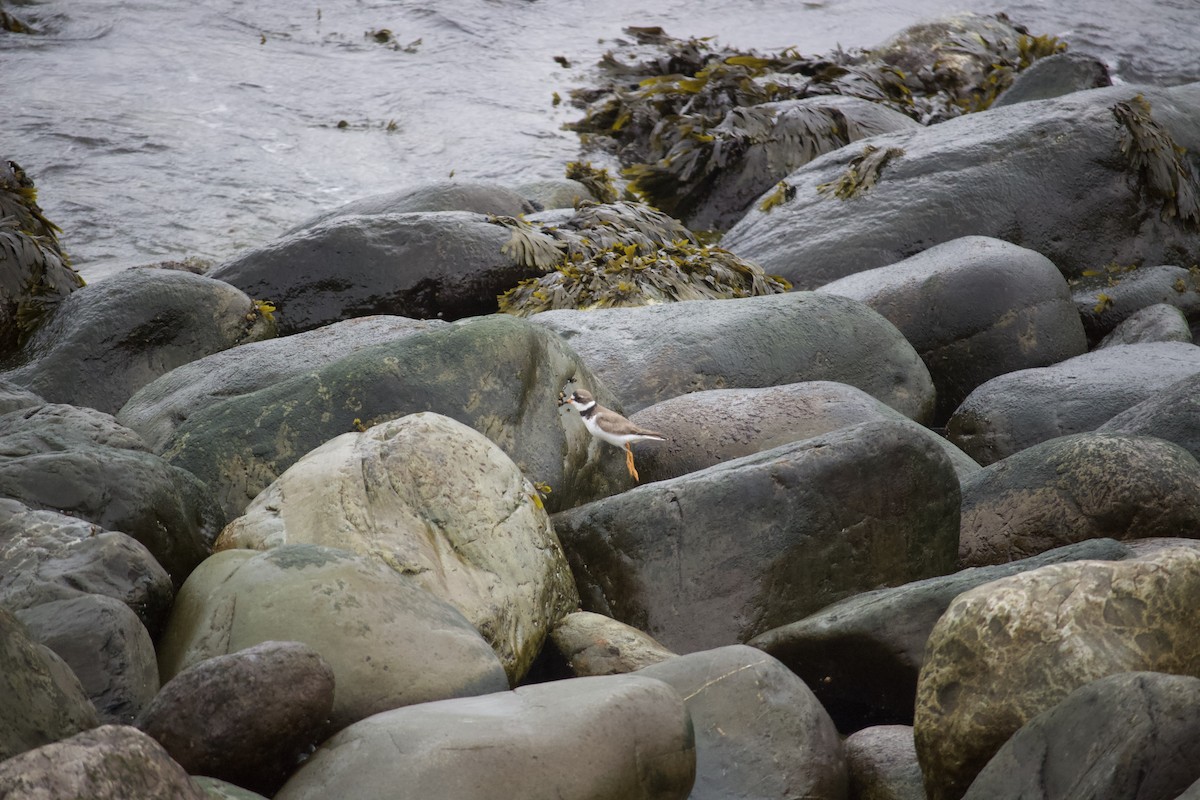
[167, 129]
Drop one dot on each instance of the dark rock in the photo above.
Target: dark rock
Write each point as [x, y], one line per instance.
[653, 353]
[1018, 410]
[246, 717]
[973, 308]
[1172, 414]
[389, 642]
[1117, 293]
[610, 738]
[160, 407]
[475, 196]
[1055, 76]
[114, 762]
[1079, 487]
[43, 701]
[709, 427]
[760, 732]
[105, 645]
[47, 556]
[1136, 734]
[882, 764]
[499, 375]
[862, 655]
[48, 461]
[1002, 173]
[594, 644]
[110, 339]
[721, 555]
[436, 501]
[1008, 650]
[1156, 323]
[443, 264]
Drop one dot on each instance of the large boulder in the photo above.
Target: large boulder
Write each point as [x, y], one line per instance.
[390, 643]
[973, 308]
[113, 762]
[1076, 178]
[499, 375]
[1008, 650]
[248, 717]
[1157, 323]
[1117, 293]
[435, 500]
[1072, 488]
[43, 701]
[1172, 414]
[882, 764]
[1135, 734]
[1021, 409]
[760, 732]
[1055, 76]
[432, 264]
[618, 737]
[652, 353]
[161, 406]
[478, 197]
[106, 646]
[86, 465]
[110, 339]
[593, 644]
[721, 555]
[709, 427]
[862, 655]
[47, 556]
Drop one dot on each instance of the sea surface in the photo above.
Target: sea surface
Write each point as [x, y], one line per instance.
[165, 130]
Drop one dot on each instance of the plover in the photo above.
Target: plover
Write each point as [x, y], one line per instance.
[609, 426]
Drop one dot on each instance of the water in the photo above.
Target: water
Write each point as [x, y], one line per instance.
[159, 130]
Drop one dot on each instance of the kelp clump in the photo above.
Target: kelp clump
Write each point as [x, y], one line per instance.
[862, 173]
[1161, 165]
[682, 114]
[623, 254]
[35, 273]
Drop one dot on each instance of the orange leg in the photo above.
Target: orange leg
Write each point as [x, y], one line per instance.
[629, 462]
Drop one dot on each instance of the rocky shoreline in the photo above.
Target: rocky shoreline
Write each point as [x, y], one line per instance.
[315, 524]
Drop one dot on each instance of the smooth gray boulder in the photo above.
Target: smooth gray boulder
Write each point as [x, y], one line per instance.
[1012, 412]
[709, 427]
[47, 556]
[248, 717]
[1135, 734]
[718, 556]
[86, 465]
[1003, 173]
[652, 353]
[500, 375]
[862, 655]
[617, 737]
[106, 646]
[437, 501]
[1172, 414]
[1086, 486]
[13, 397]
[882, 764]
[1006, 651]
[43, 701]
[1157, 323]
[594, 644]
[1055, 76]
[390, 643]
[1117, 293]
[161, 406]
[760, 732]
[479, 197]
[973, 308]
[111, 338]
[112, 762]
[426, 264]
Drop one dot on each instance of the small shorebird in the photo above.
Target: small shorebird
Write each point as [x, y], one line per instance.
[609, 426]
